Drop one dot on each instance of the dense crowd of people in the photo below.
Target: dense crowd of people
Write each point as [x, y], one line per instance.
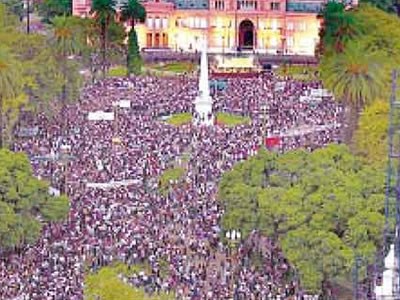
[178, 233]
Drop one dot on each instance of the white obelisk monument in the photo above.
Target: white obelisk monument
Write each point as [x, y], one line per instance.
[203, 102]
[390, 280]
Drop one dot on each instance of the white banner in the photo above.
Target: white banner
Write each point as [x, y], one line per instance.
[123, 103]
[100, 116]
[113, 184]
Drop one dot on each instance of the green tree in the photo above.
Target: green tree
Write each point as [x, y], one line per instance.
[41, 66]
[321, 207]
[24, 200]
[381, 31]
[338, 28]
[371, 137]
[42, 73]
[11, 110]
[10, 83]
[48, 9]
[68, 40]
[385, 5]
[133, 10]
[356, 77]
[16, 7]
[104, 12]
[116, 38]
[134, 60]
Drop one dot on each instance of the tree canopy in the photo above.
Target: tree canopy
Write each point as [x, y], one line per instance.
[133, 10]
[36, 58]
[104, 12]
[360, 47]
[48, 9]
[371, 137]
[25, 203]
[385, 5]
[322, 207]
[339, 27]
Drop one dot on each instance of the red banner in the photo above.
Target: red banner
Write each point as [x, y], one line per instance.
[272, 141]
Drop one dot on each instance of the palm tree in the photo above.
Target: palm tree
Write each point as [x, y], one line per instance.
[357, 77]
[133, 10]
[68, 40]
[103, 11]
[10, 82]
[339, 27]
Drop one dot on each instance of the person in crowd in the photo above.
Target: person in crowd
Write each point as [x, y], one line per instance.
[177, 234]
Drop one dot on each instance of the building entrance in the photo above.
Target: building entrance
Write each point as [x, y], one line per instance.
[246, 35]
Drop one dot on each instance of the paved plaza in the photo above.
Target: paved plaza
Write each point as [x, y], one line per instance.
[116, 212]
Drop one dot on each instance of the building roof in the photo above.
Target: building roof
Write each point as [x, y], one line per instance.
[191, 4]
[188, 4]
[303, 6]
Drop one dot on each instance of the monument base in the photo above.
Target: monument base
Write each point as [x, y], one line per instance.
[389, 287]
[203, 111]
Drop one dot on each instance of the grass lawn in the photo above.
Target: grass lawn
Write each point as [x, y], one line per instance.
[180, 119]
[298, 72]
[231, 120]
[175, 67]
[108, 286]
[168, 175]
[156, 69]
[117, 71]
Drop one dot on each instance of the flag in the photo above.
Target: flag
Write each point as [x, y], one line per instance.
[272, 141]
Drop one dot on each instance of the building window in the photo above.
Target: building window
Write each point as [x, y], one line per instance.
[157, 40]
[275, 6]
[290, 41]
[190, 21]
[149, 40]
[290, 26]
[219, 5]
[274, 24]
[302, 26]
[246, 4]
[157, 23]
[149, 22]
[165, 39]
[165, 23]
[274, 42]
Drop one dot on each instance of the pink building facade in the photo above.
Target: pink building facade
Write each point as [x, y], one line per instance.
[289, 27]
